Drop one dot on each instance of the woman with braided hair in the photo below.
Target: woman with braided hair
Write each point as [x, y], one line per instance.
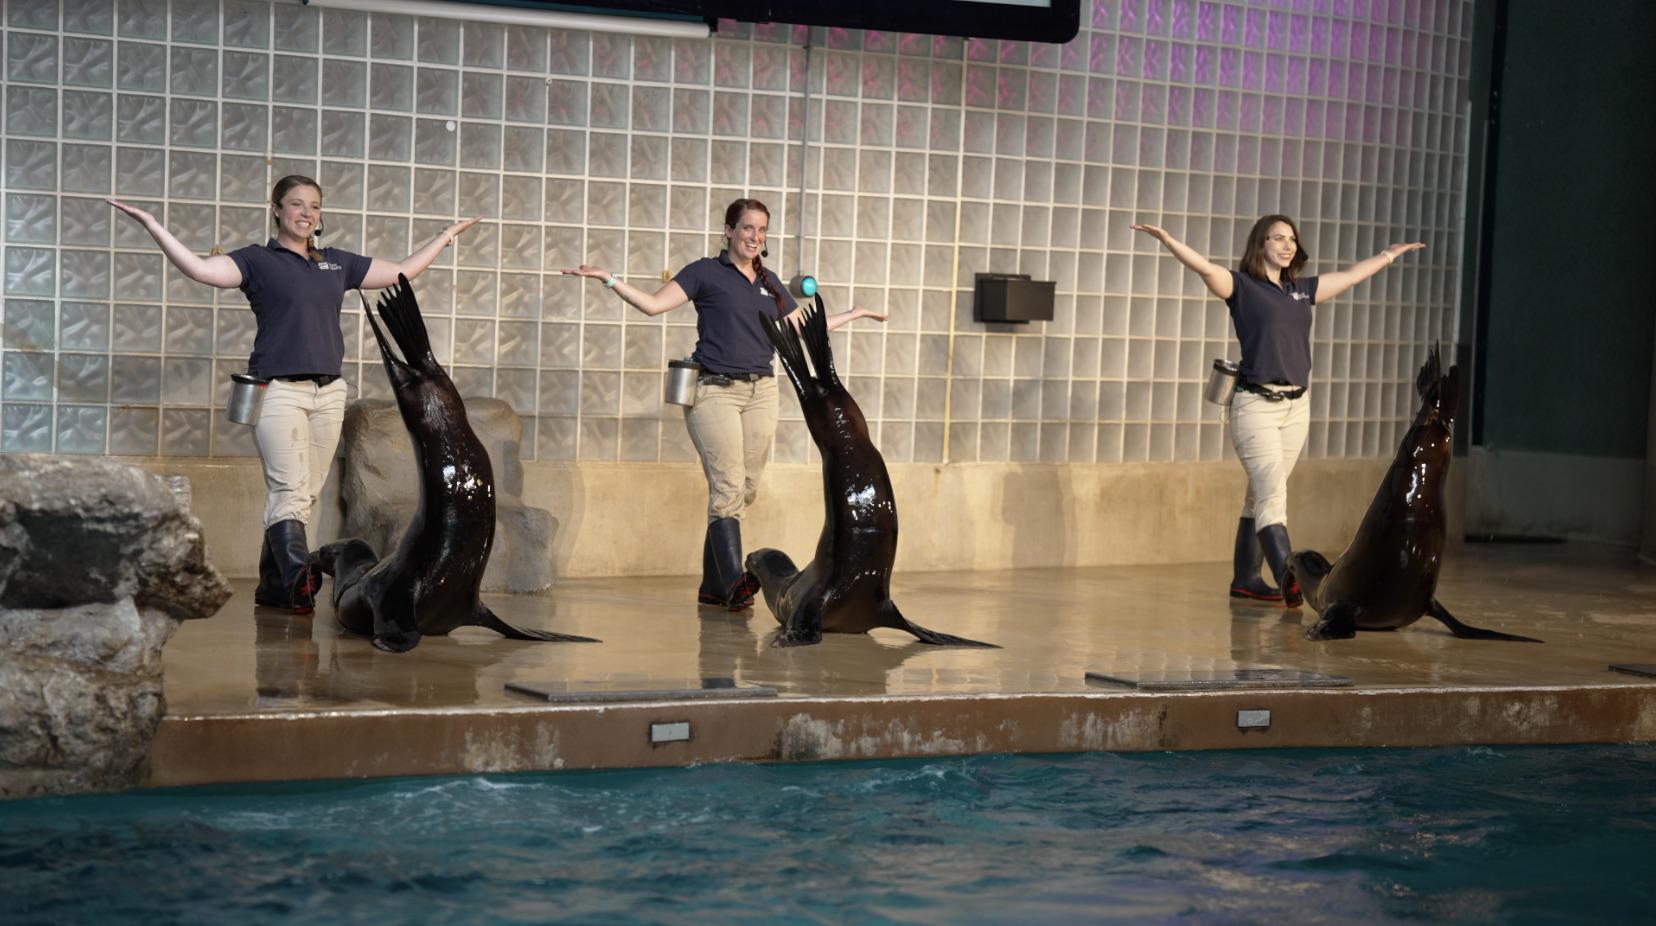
[733, 421]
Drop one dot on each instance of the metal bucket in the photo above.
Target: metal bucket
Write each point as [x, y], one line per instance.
[681, 382]
[1221, 384]
[246, 395]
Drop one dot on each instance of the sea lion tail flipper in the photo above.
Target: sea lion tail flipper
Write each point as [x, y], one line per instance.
[1338, 621]
[891, 617]
[401, 313]
[786, 341]
[487, 618]
[816, 341]
[1436, 609]
[395, 628]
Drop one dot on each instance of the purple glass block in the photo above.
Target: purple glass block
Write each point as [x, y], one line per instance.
[1206, 70]
[1100, 56]
[1359, 9]
[1356, 80]
[1201, 151]
[1253, 70]
[1293, 117]
[1314, 119]
[879, 77]
[1202, 108]
[1181, 63]
[1336, 80]
[1374, 84]
[1339, 43]
[1155, 60]
[1128, 51]
[1334, 122]
[1341, 9]
[1127, 100]
[1072, 94]
[1228, 110]
[1388, 127]
[880, 42]
[1271, 116]
[1224, 159]
[1178, 106]
[1207, 22]
[1043, 91]
[913, 83]
[1183, 24]
[1376, 43]
[980, 86]
[1014, 53]
[1249, 112]
[1157, 18]
[1316, 83]
[1299, 34]
[1100, 98]
[839, 38]
[1389, 93]
[980, 49]
[1322, 36]
[1359, 41]
[1253, 29]
[1044, 54]
[1371, 124]
[1276, 73]
[1073, 54]
[1294, 77]
[1130, 16]
[1153, 105]
[910, 43]
[1394, 46]
[1230, 26]
[1151, 144]
[1247, 155]
[840, 75]
[1011, 86]
[1101, 14]
[1230, 67]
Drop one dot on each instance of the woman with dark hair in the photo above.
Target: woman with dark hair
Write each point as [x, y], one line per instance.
[295, 288]
[1270, 305]
[734, 418]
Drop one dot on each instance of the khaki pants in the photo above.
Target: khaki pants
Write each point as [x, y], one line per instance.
[297, 431]
[733, 427]
[1268, 437]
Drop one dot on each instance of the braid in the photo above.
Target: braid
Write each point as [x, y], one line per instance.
[776, 291]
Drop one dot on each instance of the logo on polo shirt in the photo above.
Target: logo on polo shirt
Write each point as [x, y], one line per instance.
[326, 264]
[1300, 296]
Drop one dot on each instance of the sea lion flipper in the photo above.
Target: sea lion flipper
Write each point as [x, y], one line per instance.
[396, 629]
[786, 341]
[487, 618]
[889, 616]
[1436, 609]
[1337, 622]
[803, 628]
[816, 341]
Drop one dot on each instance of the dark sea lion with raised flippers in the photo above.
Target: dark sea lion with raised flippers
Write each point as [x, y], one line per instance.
[846, 588]
[430, 585]
[1387, 578]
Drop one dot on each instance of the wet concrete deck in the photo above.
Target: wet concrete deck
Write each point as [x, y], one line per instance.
[257, 695]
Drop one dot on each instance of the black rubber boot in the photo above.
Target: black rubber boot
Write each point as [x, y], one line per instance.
[1274, 539]
[291, 555]
[1246, 582]
[270, 593]
[724, 581]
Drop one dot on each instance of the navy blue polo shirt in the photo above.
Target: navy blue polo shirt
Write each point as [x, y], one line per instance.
[1274, 325]
[728, 336]
[296, 302]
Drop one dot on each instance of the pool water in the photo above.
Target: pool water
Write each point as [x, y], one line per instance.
[1478, 835]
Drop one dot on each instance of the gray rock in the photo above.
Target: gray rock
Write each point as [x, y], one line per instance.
[99, 561]
[380, 489]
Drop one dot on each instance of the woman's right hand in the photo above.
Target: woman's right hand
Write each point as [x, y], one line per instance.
[144, 218]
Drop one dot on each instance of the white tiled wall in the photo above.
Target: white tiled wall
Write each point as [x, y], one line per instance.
[929, 159]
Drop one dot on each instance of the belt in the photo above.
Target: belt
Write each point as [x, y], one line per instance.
[321, 379]
[725, 379]
[1269, 395]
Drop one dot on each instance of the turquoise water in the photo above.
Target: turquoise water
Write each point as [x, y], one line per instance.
[1509, 835]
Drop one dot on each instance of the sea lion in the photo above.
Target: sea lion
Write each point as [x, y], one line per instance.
[847, 586]
[1387, 578]
[430, 585]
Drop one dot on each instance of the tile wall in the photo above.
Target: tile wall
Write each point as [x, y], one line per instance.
[928, 159]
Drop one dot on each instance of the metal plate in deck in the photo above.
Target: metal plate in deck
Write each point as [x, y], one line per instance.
[1191, 679]
[595, 691]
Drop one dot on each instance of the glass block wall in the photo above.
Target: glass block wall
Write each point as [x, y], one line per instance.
[929, 159]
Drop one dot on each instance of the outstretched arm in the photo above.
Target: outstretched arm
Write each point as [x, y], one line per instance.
[217, 270]
[383, 273]
[1217, 278]
[796, 318]
[665, 299]
[1336, 282]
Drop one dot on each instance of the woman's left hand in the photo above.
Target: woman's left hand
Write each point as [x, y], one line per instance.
[858, 311]
[1395, 250]
[455, 229]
